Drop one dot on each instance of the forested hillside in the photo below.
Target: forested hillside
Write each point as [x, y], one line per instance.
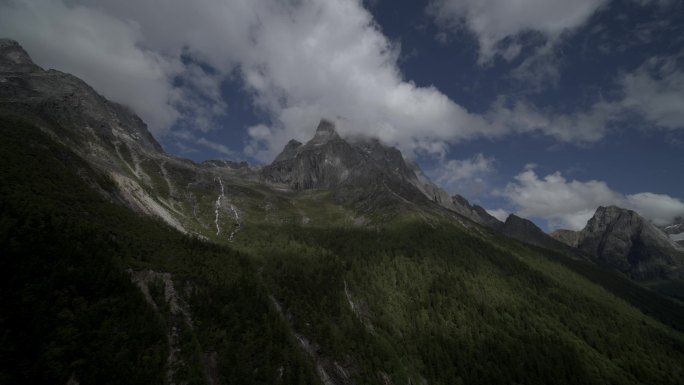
[413, 301]
[70, 309]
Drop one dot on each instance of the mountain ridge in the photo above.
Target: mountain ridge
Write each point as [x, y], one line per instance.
[624, 240]
[283, 283]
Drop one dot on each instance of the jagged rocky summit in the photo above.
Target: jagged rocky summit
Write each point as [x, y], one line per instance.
[363, 169]
[622, 239]
[675, 230]
[71, 107]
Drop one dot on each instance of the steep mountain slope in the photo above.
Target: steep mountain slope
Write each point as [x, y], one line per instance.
[526, 231]
[622, 239]
[78, 113]
[675, 231]
[361, 172]
[307, 293]
[71, 313]
[569, 237]
[364, 175]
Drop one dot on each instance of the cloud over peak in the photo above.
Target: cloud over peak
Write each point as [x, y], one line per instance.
[299, 61]
[570, 203]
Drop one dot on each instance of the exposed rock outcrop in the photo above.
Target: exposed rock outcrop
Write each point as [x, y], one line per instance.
[622, 239]
[569, 237]
[355, 170]
[526, 231]
[362, 168]
[68, 105]
[675, 231]
[474, 212]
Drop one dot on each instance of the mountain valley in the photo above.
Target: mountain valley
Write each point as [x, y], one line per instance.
[338, 263]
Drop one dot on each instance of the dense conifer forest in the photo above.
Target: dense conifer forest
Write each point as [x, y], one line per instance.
[405, 303]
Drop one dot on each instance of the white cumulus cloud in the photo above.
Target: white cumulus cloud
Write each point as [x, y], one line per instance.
[570, 203]
[499, 214]
[300, 61]
[656, 91]
[464, 176]
[304, 60]
[104, 51]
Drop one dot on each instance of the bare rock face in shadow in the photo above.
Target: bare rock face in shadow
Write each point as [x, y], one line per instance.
[624, 240]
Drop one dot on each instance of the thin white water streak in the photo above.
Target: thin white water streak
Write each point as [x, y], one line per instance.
[236, 216]
[217, 206]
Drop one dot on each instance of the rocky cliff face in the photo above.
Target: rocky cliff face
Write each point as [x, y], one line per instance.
[323, 162]
[359, 169]
[675, 231]
[474, 212]
[116, 142]
[72, 109]
[361, 172]
[622, 239]
[568, 237]
[362, 167]
[526, 231]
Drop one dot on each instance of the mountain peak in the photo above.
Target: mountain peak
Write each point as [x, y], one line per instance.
[602, 210]
[13, 58]
[325, 127]
[622, 239]
[289, 152]
[70, 105]
[325, 132]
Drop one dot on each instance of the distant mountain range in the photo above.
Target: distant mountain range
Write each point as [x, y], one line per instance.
[338, 263]
[622, 239]
[361, 172]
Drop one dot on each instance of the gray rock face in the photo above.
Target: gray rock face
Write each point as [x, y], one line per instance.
[107, 135]
[569, 237]
[431, 190]
[355, 170]
[474, 212]
[526, 231]
[675, 231]
[71, 108]
[456, 203]
[289, 152]
[325, 161]
[13, 58]
[360, 168]
[622, 239]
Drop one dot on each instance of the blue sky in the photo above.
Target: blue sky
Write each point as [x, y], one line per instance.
[546, 109]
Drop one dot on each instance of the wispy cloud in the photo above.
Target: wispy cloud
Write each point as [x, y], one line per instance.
[464, 176]
[194, 139]
[499, 24]
[300, 61]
